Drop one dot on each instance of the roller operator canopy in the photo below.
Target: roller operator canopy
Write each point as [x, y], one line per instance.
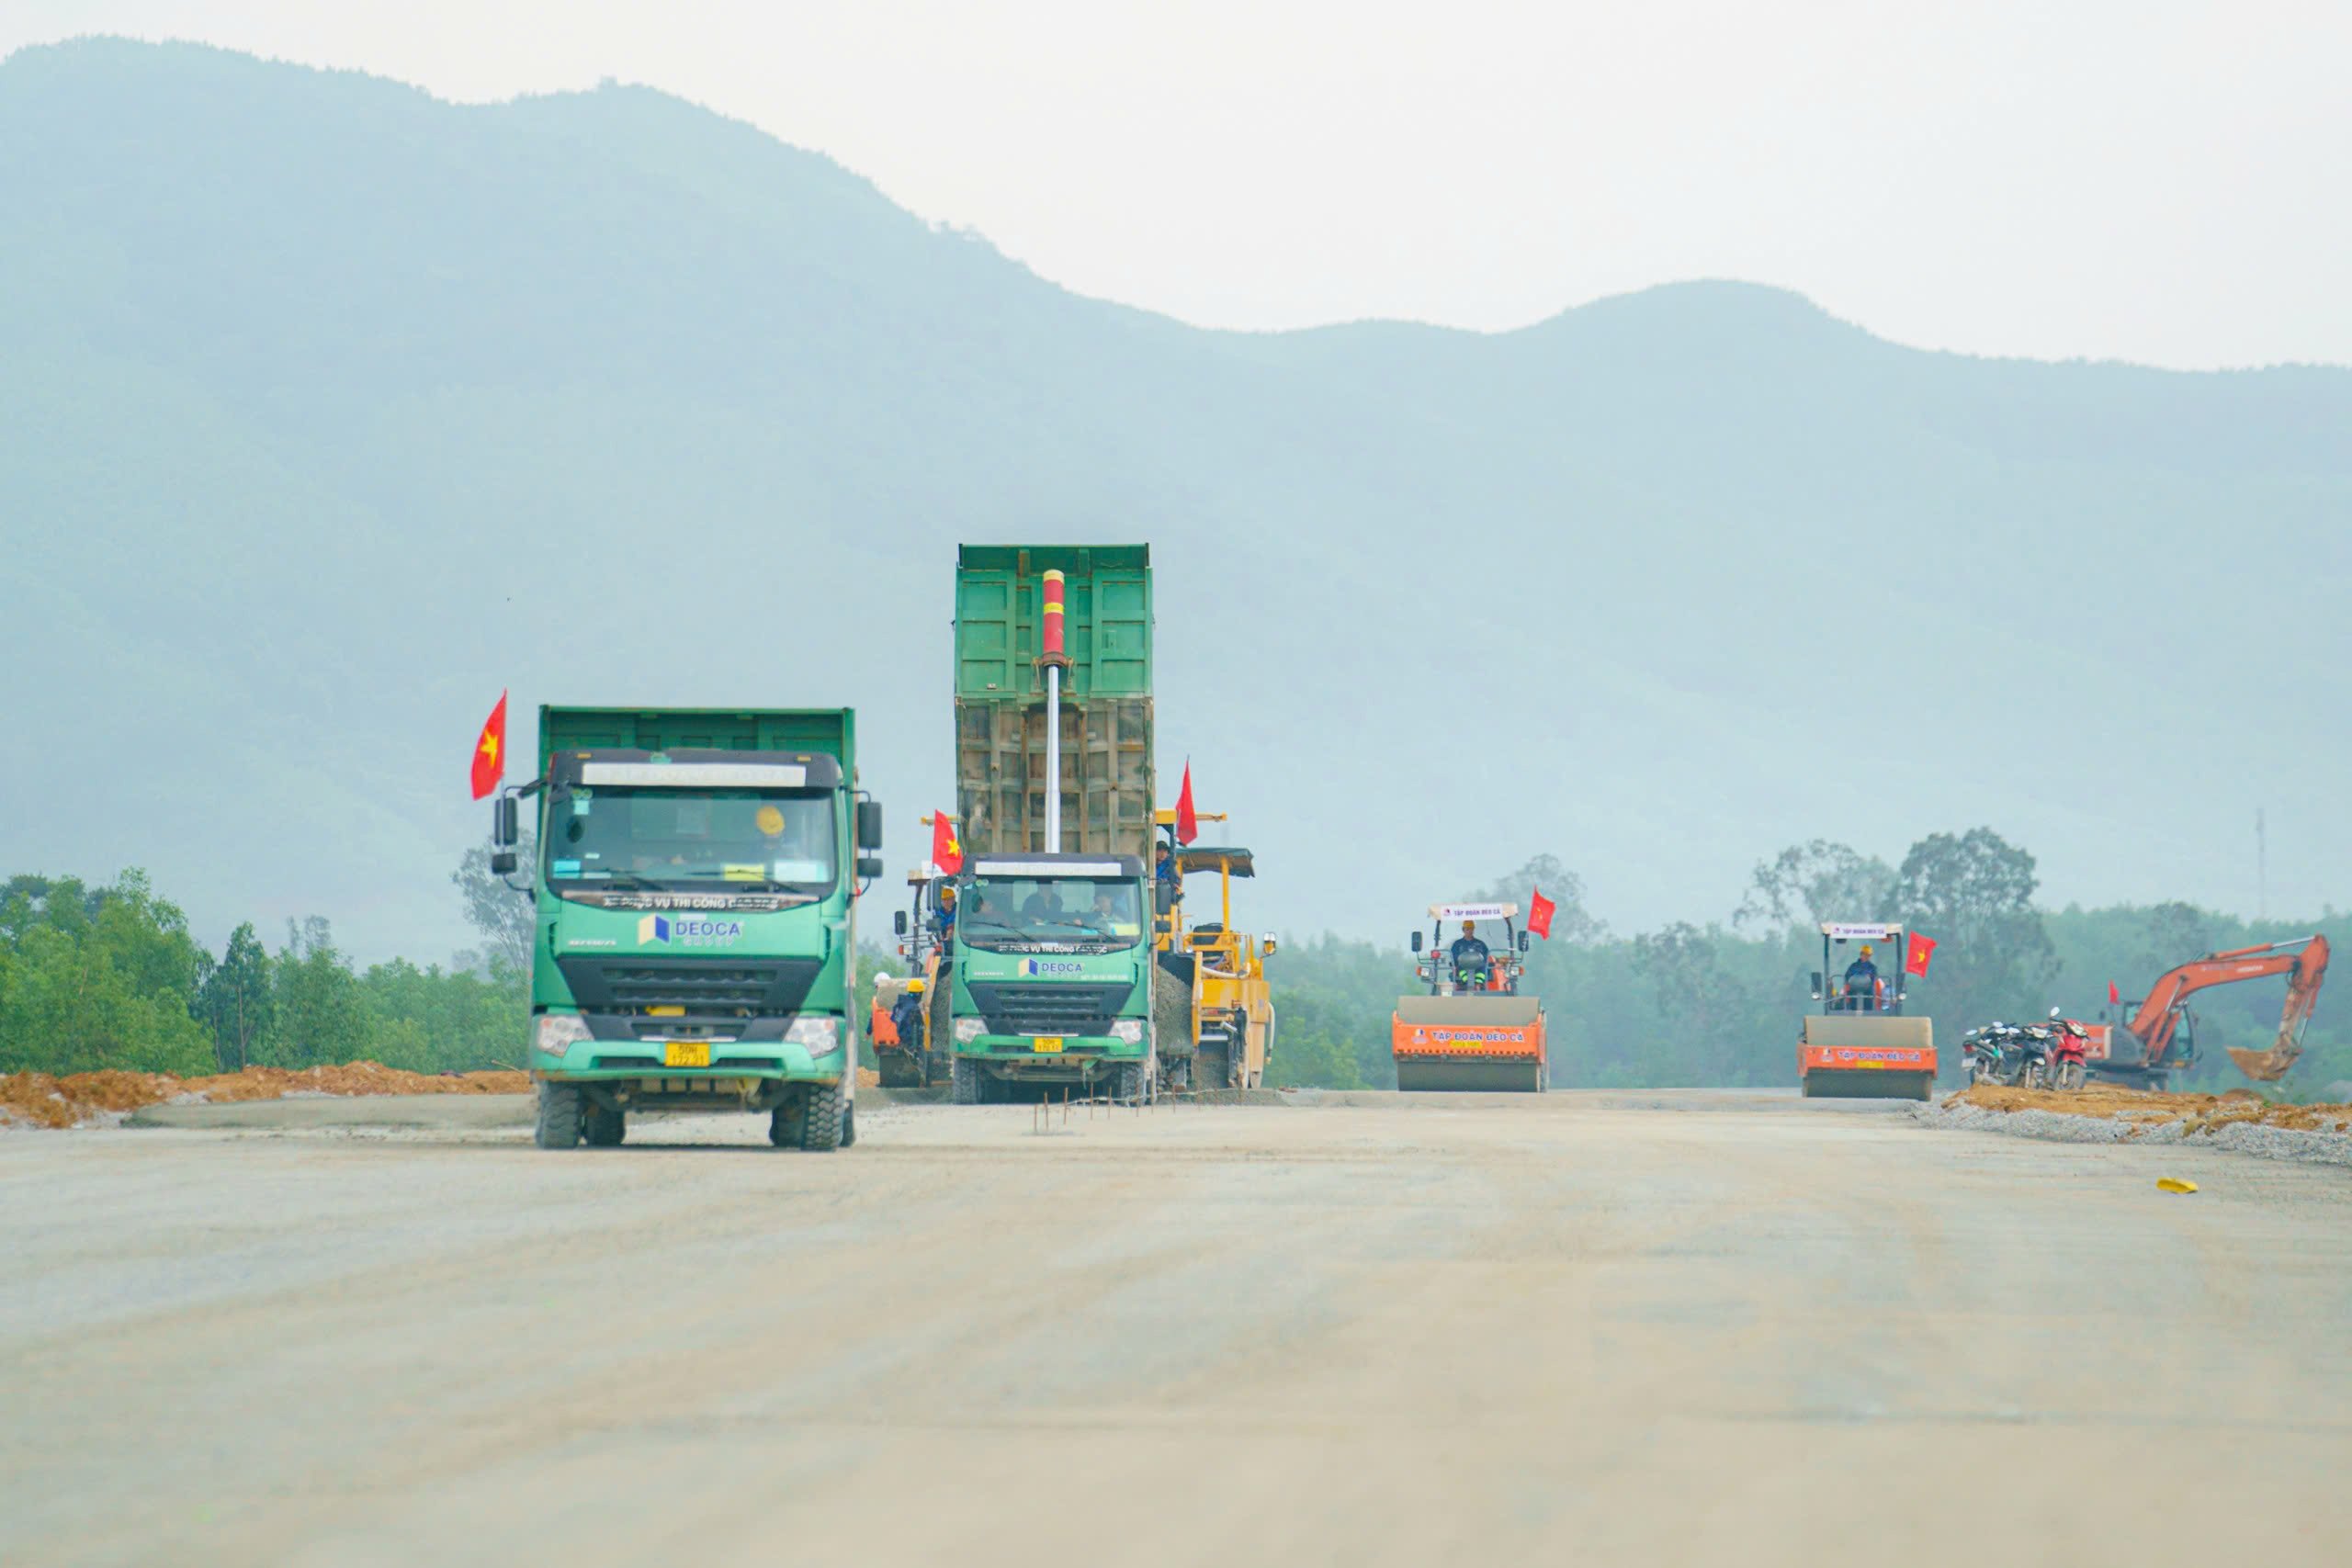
[1474, 911]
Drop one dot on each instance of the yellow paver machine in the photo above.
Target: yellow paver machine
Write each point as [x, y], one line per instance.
[1212, 1009]
[1471, 1030]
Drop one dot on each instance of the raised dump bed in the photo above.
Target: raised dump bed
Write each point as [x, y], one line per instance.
[1492, 1042]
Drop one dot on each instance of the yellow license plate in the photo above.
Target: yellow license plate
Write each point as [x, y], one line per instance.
[1047, 1042]
[679, 1055]
[665, 1012]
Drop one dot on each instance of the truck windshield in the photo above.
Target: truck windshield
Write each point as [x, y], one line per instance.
[746, 839]
[1005, 914]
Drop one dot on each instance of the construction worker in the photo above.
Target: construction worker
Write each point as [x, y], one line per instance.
[943, 915]
[1469, 951]
[1861, 983]
[1165, 874]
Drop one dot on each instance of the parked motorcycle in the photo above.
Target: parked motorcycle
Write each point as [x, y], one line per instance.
[2030, 1066]
[2069, 1054]
[1983, 1051]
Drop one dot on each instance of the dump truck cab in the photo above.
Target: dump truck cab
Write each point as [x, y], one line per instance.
[1469, 1028]
[695, 945]
[1856, 1044]
[1051, 962]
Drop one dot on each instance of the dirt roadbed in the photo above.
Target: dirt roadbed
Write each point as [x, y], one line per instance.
[1657, 1330]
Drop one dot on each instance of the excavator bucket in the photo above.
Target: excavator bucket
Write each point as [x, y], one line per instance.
[1470, 1043]
[2265, 1067]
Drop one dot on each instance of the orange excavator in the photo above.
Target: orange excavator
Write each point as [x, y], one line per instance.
[2160, 1034]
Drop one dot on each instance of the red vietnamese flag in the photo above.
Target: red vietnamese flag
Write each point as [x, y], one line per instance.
[1188, 820]
[1917, 951]
[1539, 915]
[489, 751]
[946, 849]
[2114, 997]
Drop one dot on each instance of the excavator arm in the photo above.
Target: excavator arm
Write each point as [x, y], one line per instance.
[2303, 961]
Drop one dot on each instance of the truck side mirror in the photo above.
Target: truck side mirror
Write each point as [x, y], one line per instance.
[868, 867]
[897, 922]
[503, 830]
[502, 863]
[869, 827]
[1416, 941]
[1163, 899]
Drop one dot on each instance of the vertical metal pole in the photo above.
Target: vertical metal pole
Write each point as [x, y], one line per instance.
[1050, 654]
[1053, 758]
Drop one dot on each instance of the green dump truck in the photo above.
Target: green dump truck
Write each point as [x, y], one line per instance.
[696, 947]
[1052, 960]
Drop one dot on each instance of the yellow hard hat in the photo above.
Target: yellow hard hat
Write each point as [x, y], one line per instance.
[1469, 926]
[1866, 950]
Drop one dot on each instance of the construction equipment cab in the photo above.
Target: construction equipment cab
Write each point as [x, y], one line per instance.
[1856, 1044]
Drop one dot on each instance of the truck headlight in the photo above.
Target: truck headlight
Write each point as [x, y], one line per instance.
[1128, 1029]
[553, 1034]
[820, 1034]
[968, 1029]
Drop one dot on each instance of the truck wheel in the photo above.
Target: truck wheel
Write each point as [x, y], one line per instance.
[970, 1084]
[1132, 1084]
[823, 1119]
[849, 1123]
[784, 1122]
[604, 1128]
[558, 1124]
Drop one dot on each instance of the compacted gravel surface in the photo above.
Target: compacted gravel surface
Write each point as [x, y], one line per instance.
[1361, 1329]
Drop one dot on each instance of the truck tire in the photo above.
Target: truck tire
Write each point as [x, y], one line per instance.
[823, 1119]
[784, 1122]
[604, 1128]
[849, 1123]
[1133, 1084]
[970, 1084]
[937, 1035]
[559, 1122]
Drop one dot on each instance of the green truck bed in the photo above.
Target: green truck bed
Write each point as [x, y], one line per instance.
[1107, 779]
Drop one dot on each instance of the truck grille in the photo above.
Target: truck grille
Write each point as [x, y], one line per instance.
[703, 987]
[1045, 1007]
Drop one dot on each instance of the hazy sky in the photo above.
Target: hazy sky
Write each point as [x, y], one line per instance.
[2156, 180]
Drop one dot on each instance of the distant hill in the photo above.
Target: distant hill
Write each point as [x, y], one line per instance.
[328, 409]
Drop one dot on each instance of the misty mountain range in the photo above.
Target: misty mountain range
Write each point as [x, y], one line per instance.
[328, 410]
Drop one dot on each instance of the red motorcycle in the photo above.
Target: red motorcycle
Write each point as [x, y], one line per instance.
[2069, 1054]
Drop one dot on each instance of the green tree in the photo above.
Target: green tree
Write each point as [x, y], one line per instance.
[1315, 1045]
[320, 1016]
[1815, 882]
[1974, 893]
[81, 991]
[234, 999]
[505, 918]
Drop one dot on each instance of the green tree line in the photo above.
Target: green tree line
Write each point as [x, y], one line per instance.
[109, 976]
